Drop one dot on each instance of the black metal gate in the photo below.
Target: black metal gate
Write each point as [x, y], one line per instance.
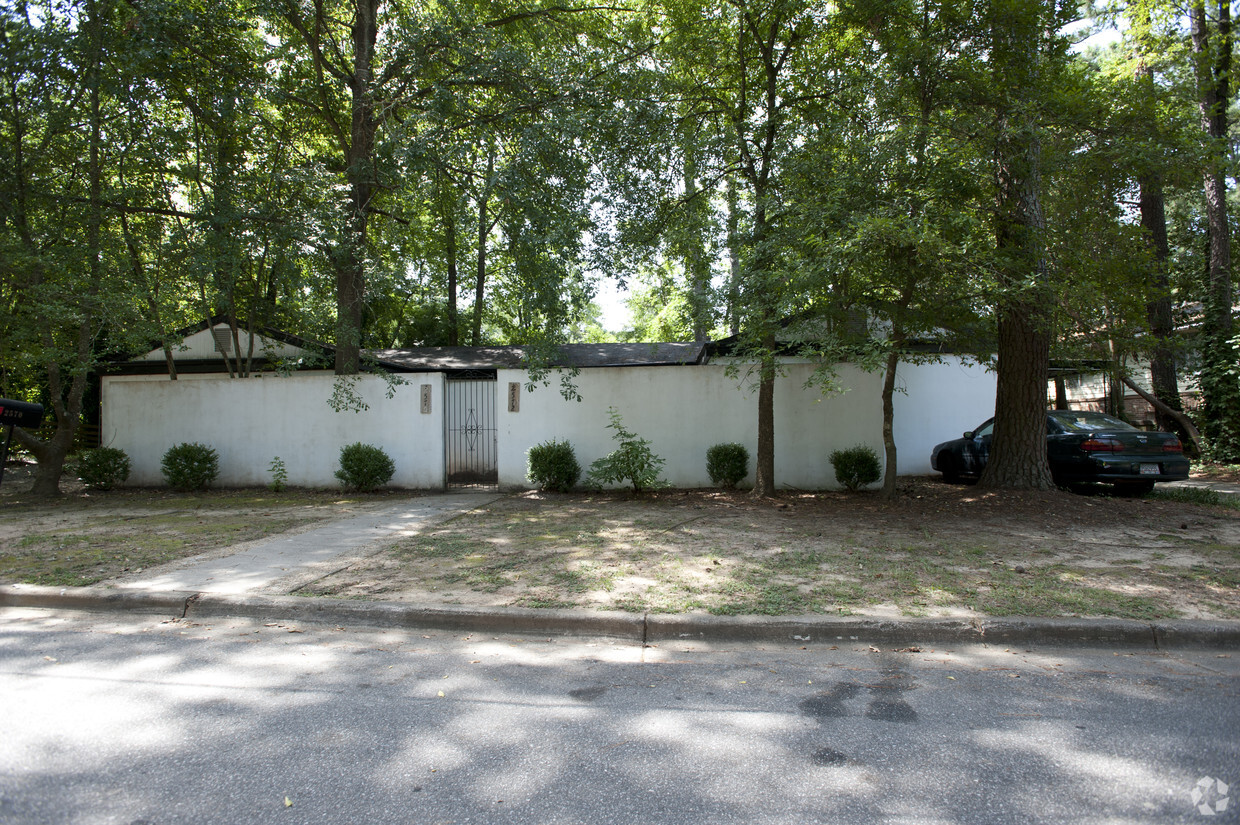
[469, 429]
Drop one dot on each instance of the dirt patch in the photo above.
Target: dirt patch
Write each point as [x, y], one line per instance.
[1217, 472]
[938, 550]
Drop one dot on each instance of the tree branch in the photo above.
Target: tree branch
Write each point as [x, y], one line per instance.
[1177, 416]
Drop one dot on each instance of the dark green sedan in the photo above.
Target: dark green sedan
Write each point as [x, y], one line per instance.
[1082, 447]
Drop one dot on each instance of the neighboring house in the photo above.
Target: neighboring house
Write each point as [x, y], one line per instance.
[1089, 385]
[460, 415]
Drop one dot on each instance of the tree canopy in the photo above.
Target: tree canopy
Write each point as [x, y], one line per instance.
[379, 173]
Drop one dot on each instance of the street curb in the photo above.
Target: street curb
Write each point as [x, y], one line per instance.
[645, 629]
[393, 614]
[806, 629]
[1006, 631]
[96, 599]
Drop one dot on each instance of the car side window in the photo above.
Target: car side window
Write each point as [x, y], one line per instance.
[982, 432]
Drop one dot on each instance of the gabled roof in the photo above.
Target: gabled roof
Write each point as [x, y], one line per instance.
[434, 359]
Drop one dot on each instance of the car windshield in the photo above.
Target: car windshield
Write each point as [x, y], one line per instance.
[1081, 421]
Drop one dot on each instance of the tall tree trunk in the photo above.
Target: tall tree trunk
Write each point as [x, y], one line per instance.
[1164, 380]
[764, 461]
[697, 266]
[481, 280]
[768, 368]
[480, 272]
[1061, 393]
[225, 232]
[1152, 205]
[1220, 386]
[734, 260]
[1214, 70]
[351, 258]
[1018, 448]
[447, 213]
[889, 416]
[486, 223]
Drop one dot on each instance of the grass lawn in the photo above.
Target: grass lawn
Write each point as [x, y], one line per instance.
[87, 538]
[941, 550]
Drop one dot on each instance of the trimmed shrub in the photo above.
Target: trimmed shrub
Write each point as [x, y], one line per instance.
[727, 464]
[190, 466]
[856, 467]
[364, 467]
[634, 462]
[553, 466]
[103, 468]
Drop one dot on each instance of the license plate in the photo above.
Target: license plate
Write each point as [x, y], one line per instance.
[1149, 469]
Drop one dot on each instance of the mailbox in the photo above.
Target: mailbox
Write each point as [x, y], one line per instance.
[20, 413]
[15, 414]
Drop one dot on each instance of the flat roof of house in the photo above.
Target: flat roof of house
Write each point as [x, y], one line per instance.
[567, 356]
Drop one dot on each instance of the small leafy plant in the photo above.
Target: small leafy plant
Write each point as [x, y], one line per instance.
[190, 466]
[856, 467]
[727, 464]
[553, 466]
[279, 475]
[103, 468]
[633, 462]
[364, 467]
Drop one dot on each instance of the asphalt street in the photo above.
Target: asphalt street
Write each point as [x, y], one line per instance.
[130, 719]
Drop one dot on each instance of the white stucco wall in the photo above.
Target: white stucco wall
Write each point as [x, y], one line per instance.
[939, 402]
[250, 421]
[683, 411]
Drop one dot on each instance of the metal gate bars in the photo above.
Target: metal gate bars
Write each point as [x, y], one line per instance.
[470, 431]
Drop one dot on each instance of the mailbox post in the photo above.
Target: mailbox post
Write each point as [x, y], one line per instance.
[16, 414]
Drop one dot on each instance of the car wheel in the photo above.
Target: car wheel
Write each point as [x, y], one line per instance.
[1134, 489]
[951, 473]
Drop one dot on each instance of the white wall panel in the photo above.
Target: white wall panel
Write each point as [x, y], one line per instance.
[684, 411]
[250, 421]
[939, 403]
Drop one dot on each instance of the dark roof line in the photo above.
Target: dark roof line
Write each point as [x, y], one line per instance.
[568, 356]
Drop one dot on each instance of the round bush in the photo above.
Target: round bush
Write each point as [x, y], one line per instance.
[190, 466]
[727, 464]
[553, 466]
[856, 467]
[364, 467]
[103, 468]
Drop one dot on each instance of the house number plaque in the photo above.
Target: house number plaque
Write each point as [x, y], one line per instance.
[426, 399]
[514, 396]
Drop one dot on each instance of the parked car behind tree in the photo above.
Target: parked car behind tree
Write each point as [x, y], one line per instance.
[1082, 447]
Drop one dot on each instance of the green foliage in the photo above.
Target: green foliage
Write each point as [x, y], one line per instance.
[727, 464]
[856, 467]
[190, 466]
[103, 468]
[279, 475]
[1220, 387]
[345, 397]
[553, 466]
[364, 467]
[634, 462]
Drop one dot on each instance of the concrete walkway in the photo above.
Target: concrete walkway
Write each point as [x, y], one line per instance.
[266, 562]
[1230, 488]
